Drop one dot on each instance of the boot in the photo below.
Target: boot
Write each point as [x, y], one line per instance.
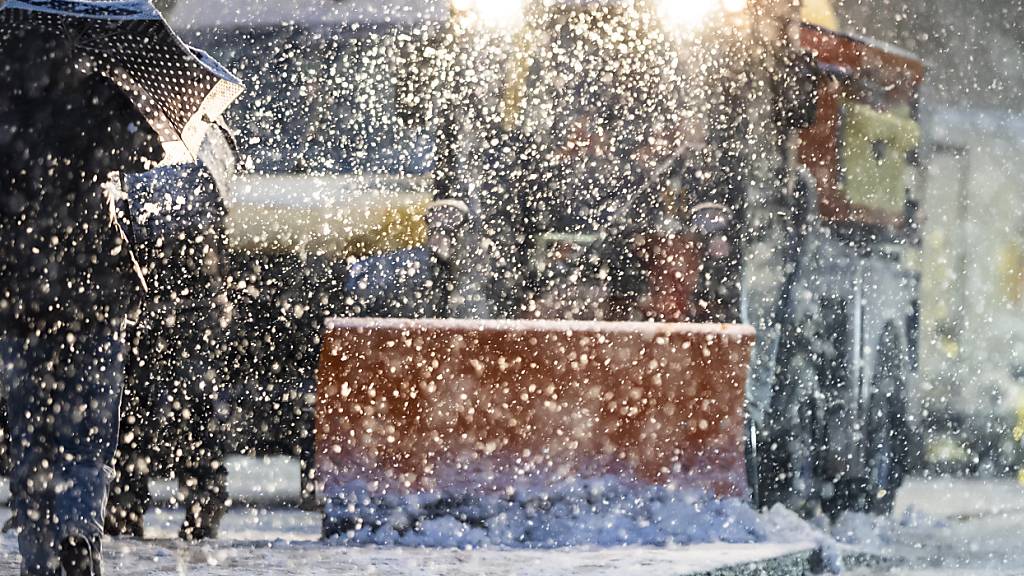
[128, 495]
[80, 556]
[205, 507]
[126, 506]
[124, 521]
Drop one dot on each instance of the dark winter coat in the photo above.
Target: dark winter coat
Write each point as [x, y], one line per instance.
[64, 261]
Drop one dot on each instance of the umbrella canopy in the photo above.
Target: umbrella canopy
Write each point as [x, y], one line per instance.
[177, 88]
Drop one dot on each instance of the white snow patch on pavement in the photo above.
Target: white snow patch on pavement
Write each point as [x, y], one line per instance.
[592, 528]
[872, 533]
[953, 497]
[283, 543]
[317, 560]
[863, 530]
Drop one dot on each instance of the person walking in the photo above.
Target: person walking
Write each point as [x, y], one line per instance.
[66, 278]
[88, 91]
[175, 408]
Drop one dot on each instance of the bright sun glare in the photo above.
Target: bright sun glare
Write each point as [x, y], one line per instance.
[691, 14]
[493, 13]
[686, 14]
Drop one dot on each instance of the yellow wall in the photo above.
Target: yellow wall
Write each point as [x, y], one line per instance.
[819, 12]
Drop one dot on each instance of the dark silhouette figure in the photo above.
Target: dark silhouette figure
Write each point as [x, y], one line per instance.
[67, 283]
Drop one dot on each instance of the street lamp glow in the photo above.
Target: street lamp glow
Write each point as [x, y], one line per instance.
[492, 13]
[686, 15]
[734, 6]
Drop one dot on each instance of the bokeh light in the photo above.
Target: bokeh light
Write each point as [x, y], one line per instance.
[501, 14]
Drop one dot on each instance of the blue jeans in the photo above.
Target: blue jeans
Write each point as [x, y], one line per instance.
[63, 404]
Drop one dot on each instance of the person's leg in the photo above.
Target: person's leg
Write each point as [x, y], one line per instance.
[7, 359]
[129, 497]
[202, 473]
[86, 421]
[32, 450]
[6, 364]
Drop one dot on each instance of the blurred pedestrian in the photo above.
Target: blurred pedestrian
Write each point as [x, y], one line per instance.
[174, 411]
[88, 91]
[66, 282]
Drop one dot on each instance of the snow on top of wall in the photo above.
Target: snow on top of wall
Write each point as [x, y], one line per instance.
[647, 328]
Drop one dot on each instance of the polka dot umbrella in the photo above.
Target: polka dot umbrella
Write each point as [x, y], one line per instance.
[180, 90]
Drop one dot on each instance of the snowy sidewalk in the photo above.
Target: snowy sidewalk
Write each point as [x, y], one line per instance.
[317, 560]
[267, 540]
[284, 542]
[259, 542]
[260, 557]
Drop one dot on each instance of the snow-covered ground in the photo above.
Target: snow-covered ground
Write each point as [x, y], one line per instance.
[309, 559]
[952, 498]
[597, 511]
[951, 527]
[263, 538]
[284, 542]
